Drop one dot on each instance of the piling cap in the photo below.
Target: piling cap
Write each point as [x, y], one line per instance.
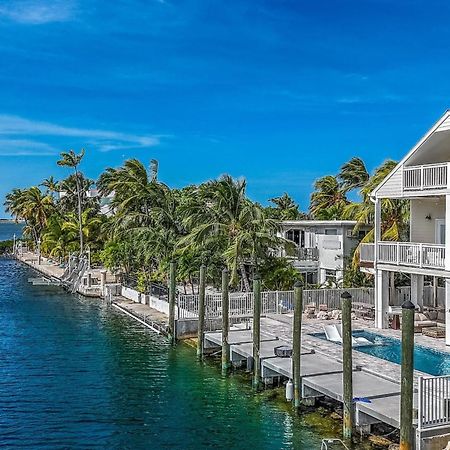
[257, 276]
[224, 270]
[346, 294]
[408, 304]
[298, 284]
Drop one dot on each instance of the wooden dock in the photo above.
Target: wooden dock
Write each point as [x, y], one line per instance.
[377, 398]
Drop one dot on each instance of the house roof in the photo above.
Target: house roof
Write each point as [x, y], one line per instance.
[414, 150]
[318, 223]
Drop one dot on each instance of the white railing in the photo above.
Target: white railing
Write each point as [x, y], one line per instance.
[412, 254]
[307, 254]
[431, 176]
[434, 402]
[367, 252]
[272, 302]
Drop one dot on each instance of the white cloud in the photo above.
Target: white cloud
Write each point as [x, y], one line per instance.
[38, 12]
[16, 133]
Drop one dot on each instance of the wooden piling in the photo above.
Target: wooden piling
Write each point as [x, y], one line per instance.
[201, 312]
[225, 323]
[256, 331]
[347, 364]
[296, 347]
[407, 373]
[172, 299]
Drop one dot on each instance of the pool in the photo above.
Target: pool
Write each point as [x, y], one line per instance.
[425, 359]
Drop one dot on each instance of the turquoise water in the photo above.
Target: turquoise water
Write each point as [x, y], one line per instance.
[7, 230]
[425, 359]
[75, 374]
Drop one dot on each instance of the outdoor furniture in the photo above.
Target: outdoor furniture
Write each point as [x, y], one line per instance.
[434, 332]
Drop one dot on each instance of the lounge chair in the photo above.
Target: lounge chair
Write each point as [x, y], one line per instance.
[333, 333]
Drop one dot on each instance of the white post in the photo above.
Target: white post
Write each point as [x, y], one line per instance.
[417, 290]
[381, 299]
[447, 232]
[447, 311]
[103, 281]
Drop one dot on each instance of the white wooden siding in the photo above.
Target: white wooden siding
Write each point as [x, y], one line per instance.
[445, 125]
[423, 229]
[393, 187]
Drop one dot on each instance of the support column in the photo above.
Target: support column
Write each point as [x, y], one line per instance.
[256, 331]
[201, 312]
[417, 290]
[225, 323]
[447, 232]
[172, 299]
[347, 365]
[407, 377]
[381, 299]
[296, 345]
[447, 311]
[103, 282]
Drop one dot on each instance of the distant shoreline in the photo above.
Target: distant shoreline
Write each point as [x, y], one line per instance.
[10, 221]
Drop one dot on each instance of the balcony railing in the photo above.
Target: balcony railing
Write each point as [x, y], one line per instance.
[427, 177]
[406, 254]
[307, 254]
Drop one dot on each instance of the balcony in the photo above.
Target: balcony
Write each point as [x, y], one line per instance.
[307, 254]
[425, 178]
[409, 254]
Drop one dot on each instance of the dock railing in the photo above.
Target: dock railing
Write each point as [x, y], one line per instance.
[433, 402]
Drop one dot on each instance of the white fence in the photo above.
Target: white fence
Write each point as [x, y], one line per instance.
[431, 176]
[272, 302]
[434, 402]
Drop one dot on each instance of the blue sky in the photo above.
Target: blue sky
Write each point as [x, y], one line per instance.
[280, 92]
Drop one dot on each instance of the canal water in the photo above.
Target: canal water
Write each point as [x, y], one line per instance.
[75, 374]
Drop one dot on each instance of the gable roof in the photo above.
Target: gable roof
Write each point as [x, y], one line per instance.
[415, 149]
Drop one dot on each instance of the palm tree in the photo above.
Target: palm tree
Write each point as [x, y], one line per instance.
[328, 195]
[285, 208]
[220, 215]
[71, 159]
[353, 174]
[32, 206]
[395, 212]
[51, 185]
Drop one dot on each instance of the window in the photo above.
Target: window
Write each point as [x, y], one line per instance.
[331, 231]
[330, 275]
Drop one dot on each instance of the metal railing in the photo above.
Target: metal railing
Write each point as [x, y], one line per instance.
[406, 254]
[430, 176]
[434, 402]
[148, 288]
[307, 254]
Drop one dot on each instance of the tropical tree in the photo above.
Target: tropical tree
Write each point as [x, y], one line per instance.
[32, 206]
[328, 196]
[73, 160]
[353, 175]
[285, 208]
[395, 212]
[220, 214]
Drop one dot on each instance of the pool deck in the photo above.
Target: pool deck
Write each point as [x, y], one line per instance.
[375, 380]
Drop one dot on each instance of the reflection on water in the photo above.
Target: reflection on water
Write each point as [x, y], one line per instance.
[74, 374]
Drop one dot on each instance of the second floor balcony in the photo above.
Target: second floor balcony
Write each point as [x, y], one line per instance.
[407, 254]
[303, 254]
[429, 177]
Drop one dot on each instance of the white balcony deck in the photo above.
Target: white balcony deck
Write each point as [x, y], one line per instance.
[408, 254]
[430, 177]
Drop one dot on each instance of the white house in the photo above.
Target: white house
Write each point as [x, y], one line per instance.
[322, 247]
[422, 178]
